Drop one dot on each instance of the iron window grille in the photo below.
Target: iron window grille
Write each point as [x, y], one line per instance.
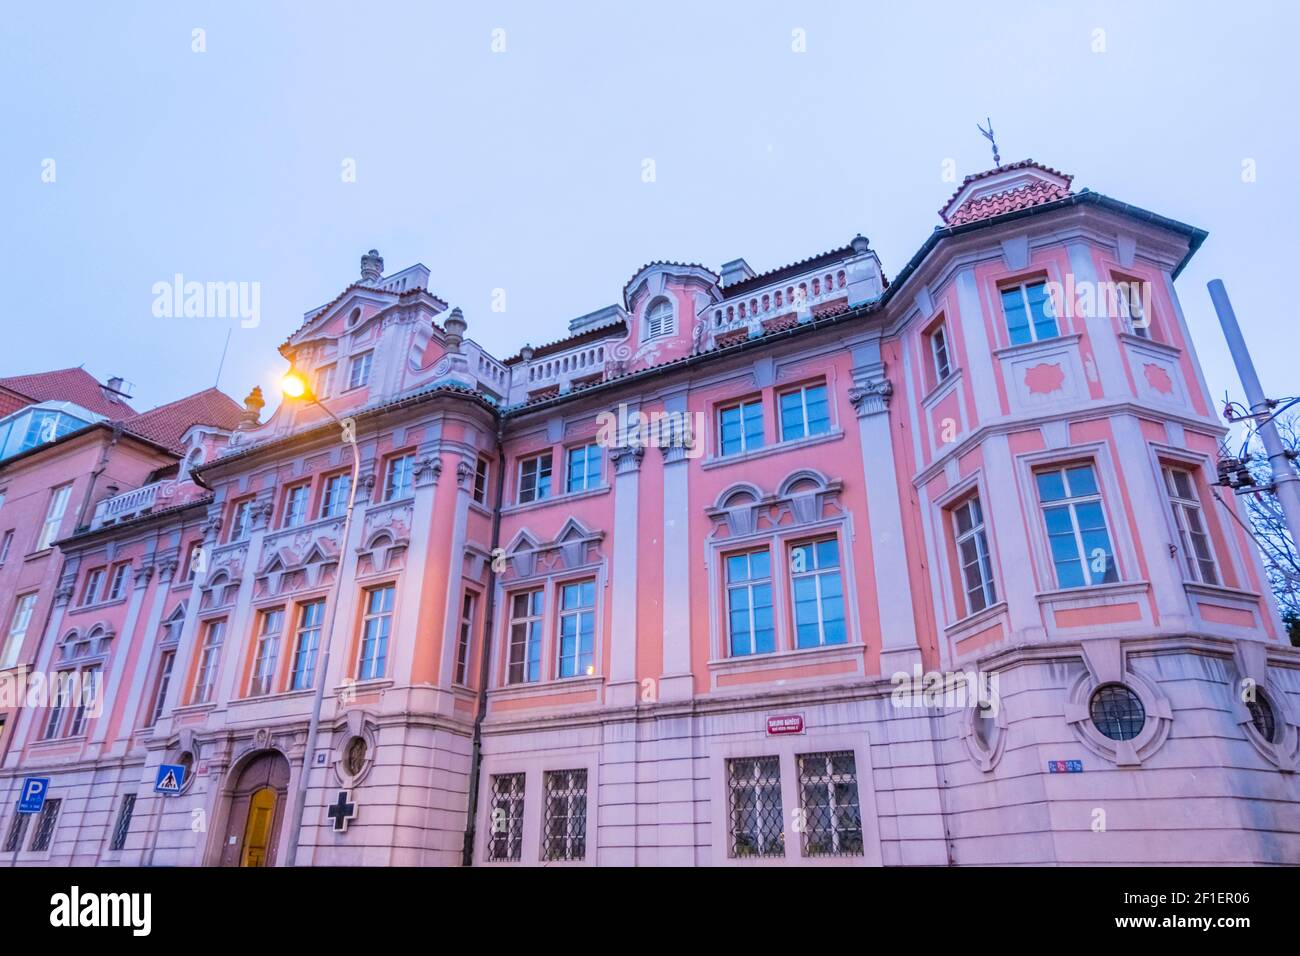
[123, 825]
[17, 829]
[564, 826]
[1117, 712]
[756, 820]
[1262, 716]
[831, 818]
[45, 826]
[506, 819]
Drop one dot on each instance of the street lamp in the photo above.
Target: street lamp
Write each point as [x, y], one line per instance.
[295, 385]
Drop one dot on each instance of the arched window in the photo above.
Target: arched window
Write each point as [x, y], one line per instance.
[659, 318]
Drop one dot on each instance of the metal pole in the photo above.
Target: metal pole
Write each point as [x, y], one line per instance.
[331, 610]
[1286, 484]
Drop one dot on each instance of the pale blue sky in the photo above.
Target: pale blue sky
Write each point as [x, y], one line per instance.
[522, 170]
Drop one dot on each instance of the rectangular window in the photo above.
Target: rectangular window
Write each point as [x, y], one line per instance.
[17, 829]
[61, 696]
[1076, 526]
[295, 506]
[535, 478]
[45, 825]
[194, 563]
[310, 618]
[375, 628]
[939, 354]
[973, 554]
[205, 678]
[165, 665]
[123, 825]
[94, 581]
[577, 628]
[583, 470]
[828, 797]
[334, 500]
[506, 829]
[464, 637]
[359, 369]
[818, 593]
[525, 661]
[87, 692]
[1198, 557]
[750, 627]
[325, 381]
[564, 829]
[117, 584]
[804, 412]
[268, 649]
[740, 427]
[1128, 293]
[400, 482]
[53, 517]
[5, 545]
[481, 480]
[242, 523]
[755, 820]
[18, 625]
[1029, 313]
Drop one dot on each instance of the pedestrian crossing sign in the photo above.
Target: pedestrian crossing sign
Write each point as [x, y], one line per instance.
[170, 778]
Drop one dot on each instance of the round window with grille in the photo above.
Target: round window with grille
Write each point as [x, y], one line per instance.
[1262, 717]
[355, 757]
[1117, 712]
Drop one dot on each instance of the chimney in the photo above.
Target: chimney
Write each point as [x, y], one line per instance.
[735, 271]
[372, 266]
[119, 387]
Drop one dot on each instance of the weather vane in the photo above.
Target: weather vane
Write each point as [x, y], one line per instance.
[988, 134]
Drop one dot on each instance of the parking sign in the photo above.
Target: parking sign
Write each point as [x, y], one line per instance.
[32, 797]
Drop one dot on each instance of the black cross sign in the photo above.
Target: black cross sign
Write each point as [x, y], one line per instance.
[341, 811]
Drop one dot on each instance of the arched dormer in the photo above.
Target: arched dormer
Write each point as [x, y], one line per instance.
[660, 319]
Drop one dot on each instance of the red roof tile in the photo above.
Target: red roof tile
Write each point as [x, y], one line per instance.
[167, 423]
[67, 385]
[997, 204]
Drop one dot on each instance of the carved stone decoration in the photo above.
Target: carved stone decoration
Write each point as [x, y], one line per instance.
[871, 398]
[144, 573]
[627, 459]
[261, 514]
[427, 470]
[463, 472]
[365, 486]
[212, 527]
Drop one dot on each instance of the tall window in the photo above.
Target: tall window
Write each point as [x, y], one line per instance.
[564, 827]
[123, 825]
[1131, 312]
[804, 412]
[939, 353]
[1029, 313]
[205, 678]
[61, 696]
[583, 470]
[818, 593]
[17, 829]
[325, 381]
[242, 524]
[359, 369]
[464, 636]
[18, 625]
[49, 818]
[310, 617]
[577, 628]
[53, 517]
[481, 480]
[334, 500]
[756, 822]
[194, 563]
[375, 629]
[5, 544]
[165, 664]
[828, 796]
[740, 427]
[117, 584]
[525, 660]
[1195, 543]
[973, 553]
[535, 478]
[659, 319]
[88, 681]
[506, 827]
[1076, 526]
[266, 652]
[750, 627]
[94, 581]
[400, 482]
[295, 506]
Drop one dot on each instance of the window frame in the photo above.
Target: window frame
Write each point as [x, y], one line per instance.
[589, 451]
[363, 360]
[208, 666]
[805, 421]
[578, 612]
[405, 462]
[266, 651]
[1023, 286]
[549, 456]
[667, 325]
[1181, 508]
[535, 622]
[748, 585]
[817, 574]
[740, 405]
[376, 663]
[55, 511]
[301, 629]
[978, 534]
[1071, 502]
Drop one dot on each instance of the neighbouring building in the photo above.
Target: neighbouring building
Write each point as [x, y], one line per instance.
[801, 567]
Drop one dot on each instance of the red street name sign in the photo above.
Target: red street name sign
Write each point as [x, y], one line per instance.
[785, 724]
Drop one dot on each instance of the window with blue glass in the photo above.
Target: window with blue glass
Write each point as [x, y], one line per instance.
[535, 478]
[583, 470]
[401, 478]
[805, 412]
[818, 593]
[525, 660]
[1029, 313]
[1076, 526]
[750, 624]
[376, 626]
[740, 427]
[577, 628]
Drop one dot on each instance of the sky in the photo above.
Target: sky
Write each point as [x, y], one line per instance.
[505, 146]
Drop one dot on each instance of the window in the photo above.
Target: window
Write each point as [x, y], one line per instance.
[117, 584]
[818, 593]
[804, 412]
[400, 482]
[325, 380]
[359, 369]
[268, 649]
[295, 506]
[53, 517]
[750, 627]
[242, 524]
[525, 661]
[464, 636]
[123, 825]
[535, 478]
[194, 561]
[828, 795]
[18, 625]
[334, 500]
[564, 827]
[583, 472]
[659, 319]
[577, 628]
[1029, 313]
[5, 545]
[310, 617]
[973, 555]
[1076, 527]
[939, 354]
[165, 665]
[1262, 717]
[375, 628]
[45, 824]
[94, 581]
[481, 480]
[17, 829]
[87, 699]
[1194, 542]
[64, 687]
[756, 822]
[354, 758]
[506, 834]
[1117, 712]
[205, 677]
[1128, 295]
[740, 427]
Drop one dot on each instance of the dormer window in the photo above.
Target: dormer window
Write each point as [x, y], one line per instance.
[659, 319]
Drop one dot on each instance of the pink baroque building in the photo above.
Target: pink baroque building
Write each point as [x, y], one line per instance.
[922, 571]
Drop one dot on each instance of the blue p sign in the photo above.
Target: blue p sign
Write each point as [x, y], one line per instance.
[32, 797]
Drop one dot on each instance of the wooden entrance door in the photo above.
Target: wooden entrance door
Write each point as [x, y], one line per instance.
[257, 804]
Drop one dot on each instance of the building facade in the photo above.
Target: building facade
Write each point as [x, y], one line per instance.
[805, 567]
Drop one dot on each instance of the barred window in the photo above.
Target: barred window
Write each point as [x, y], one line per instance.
[45, 826]
[1117, 712]
[17, 828]
[1262, 717]
[123, 825]
[828, 793]
[564, 829]
[756, 819]
[506, 835]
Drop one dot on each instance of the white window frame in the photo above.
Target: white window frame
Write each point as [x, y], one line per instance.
[396, 492]
[1070, 503]
[325, 380]
[740, 406]
[117, 581]
[587, 610]
[1023, 289]
[5, 544]
[19, 624]
[1185, 512]
[205, 675]
[464, 637]
[54, 513]
[91, 589]
[296, 514]
[942, 361]
[371, 662]
[266, 652]
[817, 574]
[333, 504]
[802, 392]
[748, 586]
[589, 451]
[535, 625]
[659, 324]
[550, 474]
[301, 632]
[978, 534]
[363, 361]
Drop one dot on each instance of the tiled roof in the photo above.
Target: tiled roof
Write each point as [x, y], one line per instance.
[665, 262]
[996, 170]
[67, 385]
[166, 424]
[997, 204]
